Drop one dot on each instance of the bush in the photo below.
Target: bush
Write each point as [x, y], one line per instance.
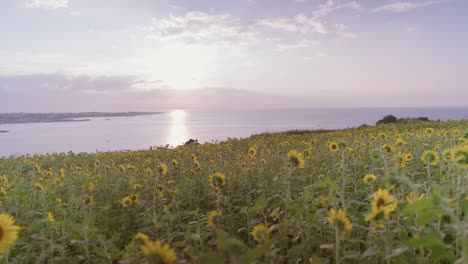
[389, 119]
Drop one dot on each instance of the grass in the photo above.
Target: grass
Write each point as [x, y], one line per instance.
[248, 201]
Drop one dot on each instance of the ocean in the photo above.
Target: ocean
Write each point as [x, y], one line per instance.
[177, 126]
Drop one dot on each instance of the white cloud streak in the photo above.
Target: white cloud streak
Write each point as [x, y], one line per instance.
[401, 7]
[48, 4]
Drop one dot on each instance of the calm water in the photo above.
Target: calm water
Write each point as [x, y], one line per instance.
[177, 126]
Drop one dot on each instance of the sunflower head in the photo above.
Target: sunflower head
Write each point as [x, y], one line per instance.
[388, 148]
[460, 155]
[127, 201]
[430, 157]
[50, 217]
[409, 157]
[162, 168]
[252, 153]
[333, 146]
[339, 217]
[157, 252]
[8, 232]
[140, 237]
[296, 159]
[369, 177]
[382, 205]
[214, 218]
[260, 233]
[217, 180]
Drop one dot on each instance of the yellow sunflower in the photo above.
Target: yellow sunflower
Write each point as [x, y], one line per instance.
[126, 201]
[459, 155]
[162, 168]
[214, 218]
[430, 157]
[260, 233]
[333, 146]
[382, 205]
[157, 252]
[50, 217]
[8, 232]
[252, 152]
[409, 156]
[217, 180]
[388, 148]
[400, 160]
[296, 159]
[339, 217]
[141, 237]
[369, 177]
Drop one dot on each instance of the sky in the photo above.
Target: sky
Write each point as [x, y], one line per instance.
[149, 55]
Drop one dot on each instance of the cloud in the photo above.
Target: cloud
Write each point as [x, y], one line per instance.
[48, 4]
[401, 7]
[199, 26]
[64, 93]
[300, 23]
[309, 24]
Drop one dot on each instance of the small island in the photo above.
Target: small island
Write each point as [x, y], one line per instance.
[21, 118]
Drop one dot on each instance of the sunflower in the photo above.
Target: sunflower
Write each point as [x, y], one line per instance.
[339, 217]
[382, 205]
[459, 155]
[333, 146]
[260, 233]
[127, 201]
[252, 153]
[134, 198]
[307, 153]
[157, 252]
[8, 232]
[50, 217]
[400, 160]
[174, 162]
[414, 197]
[296, 159]
[369, 177]
[141, 237]
[400, 142]
[388, 148]
[58, 201]
[162, 168]
[409, 156]
[429, 131]
[430, 157]
[217, 180]
[214, 218]
[137, 186]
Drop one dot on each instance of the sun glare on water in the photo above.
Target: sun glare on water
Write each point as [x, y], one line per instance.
[178, 132]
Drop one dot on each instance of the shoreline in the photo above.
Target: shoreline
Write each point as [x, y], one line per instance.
[28, 118]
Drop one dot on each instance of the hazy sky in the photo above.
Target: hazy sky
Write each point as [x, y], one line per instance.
[109, 55]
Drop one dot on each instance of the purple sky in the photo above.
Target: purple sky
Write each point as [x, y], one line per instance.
[119, 55]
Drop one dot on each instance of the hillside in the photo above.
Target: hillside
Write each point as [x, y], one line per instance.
[386, 194]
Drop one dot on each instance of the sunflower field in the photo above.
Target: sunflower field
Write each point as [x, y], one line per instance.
[394, 193]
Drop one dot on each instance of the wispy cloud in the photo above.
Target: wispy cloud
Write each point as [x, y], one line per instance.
[199, 26]
[401, 7]
[48, 4]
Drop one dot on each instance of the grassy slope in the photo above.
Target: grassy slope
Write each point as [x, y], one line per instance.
[91, 223]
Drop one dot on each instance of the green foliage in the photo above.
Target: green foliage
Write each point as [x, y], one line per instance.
[86, 194]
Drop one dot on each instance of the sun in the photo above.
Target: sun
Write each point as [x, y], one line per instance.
[182, 66]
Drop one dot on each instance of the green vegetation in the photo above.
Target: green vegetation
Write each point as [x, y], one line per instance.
[393, 193]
